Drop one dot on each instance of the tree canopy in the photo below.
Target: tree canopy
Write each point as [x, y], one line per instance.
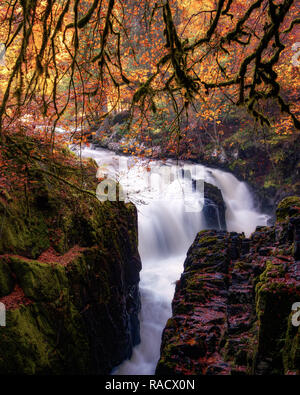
[70, 63]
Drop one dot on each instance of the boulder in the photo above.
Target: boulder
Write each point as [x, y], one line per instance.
[69, 279]
[232, 309]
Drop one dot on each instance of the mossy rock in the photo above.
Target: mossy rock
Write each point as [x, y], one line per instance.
[282, 211]
[167, 363]
[274, 298]
[33, 345]
[25, 345]
[28, 236]
[80, 311]
[291, 350]
[39, 281]
[6, 279]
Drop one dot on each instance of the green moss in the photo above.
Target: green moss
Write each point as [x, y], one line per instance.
[291, 349]
[194, 283]
[270, 183]
[6, 279]
[81, 268]
[170, 323]
[23, 235]
[271, 271]
[38, 237]
[274, 298]
[71, 305]
[284, 206]
[39, 281]
[205, 241]
[33, 345]
[239, 265]
[25, 345]
[237, 164]
[166, 364]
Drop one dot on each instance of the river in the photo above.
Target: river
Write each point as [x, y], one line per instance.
[169, 217]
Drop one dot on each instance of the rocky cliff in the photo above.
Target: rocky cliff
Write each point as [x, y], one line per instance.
[214, 208]
[69, 274]
[232, 309]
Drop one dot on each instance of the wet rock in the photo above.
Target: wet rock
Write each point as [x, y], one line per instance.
[214, 207]
[235, 298]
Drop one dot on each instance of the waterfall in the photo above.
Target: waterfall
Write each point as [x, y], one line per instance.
[241, 215]
[167, 227]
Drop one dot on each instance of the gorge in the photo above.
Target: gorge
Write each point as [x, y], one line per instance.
[166, 230]
[94, 287]
[149, 188]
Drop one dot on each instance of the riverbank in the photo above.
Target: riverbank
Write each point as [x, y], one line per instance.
[69, 271]
[232, 313]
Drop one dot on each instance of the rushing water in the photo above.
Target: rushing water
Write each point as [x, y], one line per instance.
[168, 222]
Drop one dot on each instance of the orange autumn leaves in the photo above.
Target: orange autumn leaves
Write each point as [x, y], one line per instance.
[70, 85]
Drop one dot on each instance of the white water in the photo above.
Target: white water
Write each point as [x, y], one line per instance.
[166, 230]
